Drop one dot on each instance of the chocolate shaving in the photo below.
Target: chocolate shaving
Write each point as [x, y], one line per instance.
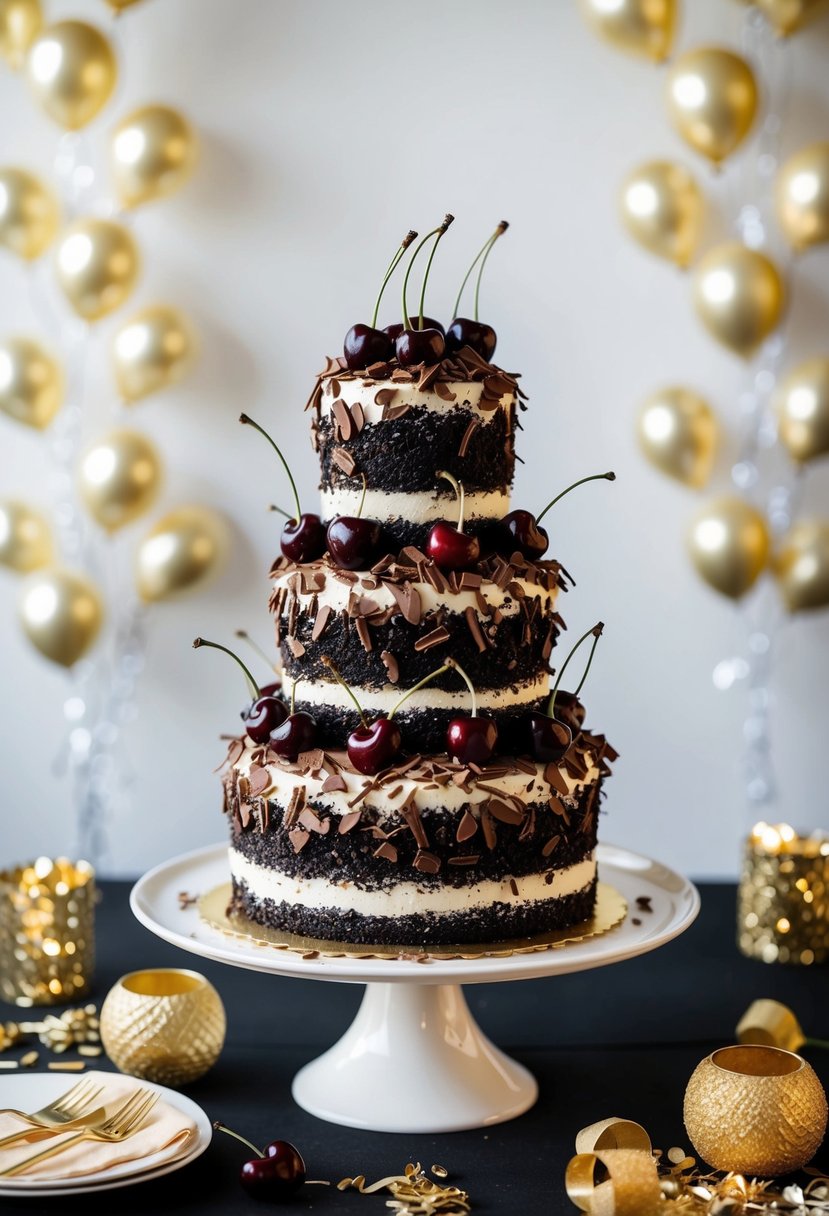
[322, 619]
[470, 859]
[349, 821]
[387, 851]
[390, 664]
[467, 436]
[555, 778]
[474, 628]
[415, 824]
[550, 845]
[488, 828]
[513, 886]
[435, 638]
[503, 813]
[427, 863]
[345, 422]
[296, 647]
[313, 823]
[443, 391]
[344, 460]
[364, 634]
[385, 396]
[235, 751]
[295, 806]
[259, 779]
[299, 838]
[335, 782]
[467, 827]
[428, 376]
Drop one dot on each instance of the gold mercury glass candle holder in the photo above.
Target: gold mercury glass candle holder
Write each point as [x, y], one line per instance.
[47, 935]
[783, 900]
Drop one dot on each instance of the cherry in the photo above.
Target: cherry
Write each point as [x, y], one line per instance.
[272, 1176]
[354, 543]
[452, 548]
[365, 344]
[420, 344]
[303, 536]
[520, 530]
[466, 332]
[472, 739]
[394, 331]
[296, 733]
[266, 710]
[549, 736]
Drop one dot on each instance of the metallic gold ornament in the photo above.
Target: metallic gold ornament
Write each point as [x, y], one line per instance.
[802, 196]
[20, 21]
[738, 295]
[629, 1187]
[166, 1025]
[154, 151]
[61, 614]
[97, 265]
[25, 537]
[119, 478]
[72, 70]
[729, 545]
[788, 16]
[31, 382]
[712, 100]
[803, 410]
[755, 1110]
[180, 553]
[661, 208]
[640, 27]
[783, 896]
[151, 351]
[801, 567]
[678, 434]
[771, 1024]
[29, 213]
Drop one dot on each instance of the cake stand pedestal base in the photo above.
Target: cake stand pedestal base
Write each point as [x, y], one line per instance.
[414, 1060]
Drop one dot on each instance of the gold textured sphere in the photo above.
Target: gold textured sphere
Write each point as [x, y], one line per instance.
[166, 1025]
[755, 1110]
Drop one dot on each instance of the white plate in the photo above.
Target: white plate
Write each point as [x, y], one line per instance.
[31, 1091]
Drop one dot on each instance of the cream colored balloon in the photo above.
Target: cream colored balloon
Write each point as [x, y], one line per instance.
[802, 196]
[20, 21]
[119, 478]
[661, 208]
[739, 296]
[97, 265]
[72, 70]
[154, 150]
[678, 434]
[641, 27]
[788, 16]
[801, 566]
[181, 553]
[729, 545]
[151, 351]
[712, 100]
[25, 537]
[803, 410]
[29, 213]
[31, 382]
[61, 614]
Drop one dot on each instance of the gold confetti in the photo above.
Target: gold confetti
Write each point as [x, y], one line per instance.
[66, 1066]
[414, 1194]
[8, 1063]
[29, 1060]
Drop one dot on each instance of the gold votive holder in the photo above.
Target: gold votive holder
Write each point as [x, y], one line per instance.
[755, 1110]
[166, 1025]
[783, 898]
[47, 931]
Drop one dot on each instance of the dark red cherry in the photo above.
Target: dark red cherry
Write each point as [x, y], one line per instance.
[374, 747]
[451, 549]
[267, 690]
[419, 346]
[520, 530]
[471, 740]
[297, 733]
[549, 738]
[289, 1160]
[264, 716]
[353, 542]
[364, 345]
[269, 1179]
[303, 540]
[465, 332]
[394, 331]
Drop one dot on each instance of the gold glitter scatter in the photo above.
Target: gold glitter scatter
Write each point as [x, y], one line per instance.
[66, 1066]
[687, 1190]
[413, 1193]
[9, 1035]
[29, 1060]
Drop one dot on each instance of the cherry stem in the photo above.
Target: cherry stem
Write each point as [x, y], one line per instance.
[594, 477]
[362, 498]
[457, 667]
[249, 422]
[393, 264]
[420, 684]
[483, 252]
[293, 697]
[448, 219]
[596, 632]
[329, 664]
[280, 510]
[457, 486]
[220, 1127]
[254, 645]
[412, 259]
[817, 1043]
[218, 646]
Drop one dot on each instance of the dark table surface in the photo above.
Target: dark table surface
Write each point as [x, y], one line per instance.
[622, 1040]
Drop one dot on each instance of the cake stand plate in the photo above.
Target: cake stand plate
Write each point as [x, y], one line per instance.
[414, 1059]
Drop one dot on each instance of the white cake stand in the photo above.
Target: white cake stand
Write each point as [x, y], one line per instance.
[414, 1059]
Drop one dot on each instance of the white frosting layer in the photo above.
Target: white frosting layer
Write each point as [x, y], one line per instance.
[406, 898]
[467, 396]
[381, 700]
[421, 507]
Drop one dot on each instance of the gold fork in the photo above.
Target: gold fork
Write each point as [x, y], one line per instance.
[127, 1120]
[76, 1103]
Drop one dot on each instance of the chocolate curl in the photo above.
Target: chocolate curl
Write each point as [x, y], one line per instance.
[631, 1187]
[613, 1133]
[771, 1024]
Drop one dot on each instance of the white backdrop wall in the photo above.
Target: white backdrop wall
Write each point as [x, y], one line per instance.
[327, 130]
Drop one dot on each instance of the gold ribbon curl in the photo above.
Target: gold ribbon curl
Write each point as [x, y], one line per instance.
[613, 1133]
[629, 1187]
[772, 1024]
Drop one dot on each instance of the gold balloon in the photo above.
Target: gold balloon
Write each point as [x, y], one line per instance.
[661, 208]
[180, 553]
[20, 21]
[801, 566]
[119, 478]
[120, 5]
[29, 213]
[25, 538]
[641, 27]
[61, 614]
[788, 16]
[678, 433]
[97, 265]
[712, 100]
[72, 70]
[729, 545]
[151, 351]
[802, 196]
[154, 151]
[803, 410]
[739, 296]
[31, 382]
